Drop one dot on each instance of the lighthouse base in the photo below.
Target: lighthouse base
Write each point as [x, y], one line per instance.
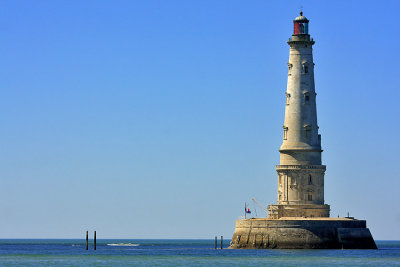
[300, 233]
[299, 210]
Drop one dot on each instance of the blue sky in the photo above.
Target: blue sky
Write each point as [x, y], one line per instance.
[159, 119]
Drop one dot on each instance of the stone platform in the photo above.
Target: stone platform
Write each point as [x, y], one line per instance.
[302, 233]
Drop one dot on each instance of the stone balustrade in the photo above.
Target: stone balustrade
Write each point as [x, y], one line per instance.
[300, 167]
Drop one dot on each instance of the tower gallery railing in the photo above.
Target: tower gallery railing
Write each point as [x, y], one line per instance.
[300, 167]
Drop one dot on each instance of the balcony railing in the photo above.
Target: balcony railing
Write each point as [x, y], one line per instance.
[300, 167]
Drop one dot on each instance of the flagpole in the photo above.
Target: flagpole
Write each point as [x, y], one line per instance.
[245, 210]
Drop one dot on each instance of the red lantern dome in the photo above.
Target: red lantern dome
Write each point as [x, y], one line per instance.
[300, 25]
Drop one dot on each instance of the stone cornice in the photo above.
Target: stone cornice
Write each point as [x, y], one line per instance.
[300, 167]
[291, 42]
[299, 150]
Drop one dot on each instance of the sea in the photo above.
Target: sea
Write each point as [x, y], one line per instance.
[178, 252]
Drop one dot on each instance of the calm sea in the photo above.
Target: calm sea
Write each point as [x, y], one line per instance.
[69, 252]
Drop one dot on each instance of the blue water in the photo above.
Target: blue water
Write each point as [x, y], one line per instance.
[136, 252]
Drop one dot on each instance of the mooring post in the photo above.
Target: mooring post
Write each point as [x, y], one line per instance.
[94, 240]
[87, 240]
[216, 242]
[222, 240]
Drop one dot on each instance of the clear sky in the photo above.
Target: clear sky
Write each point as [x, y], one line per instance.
[159, 119]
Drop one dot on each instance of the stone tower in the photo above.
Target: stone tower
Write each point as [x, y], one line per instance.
[300, 219]
[300, 173]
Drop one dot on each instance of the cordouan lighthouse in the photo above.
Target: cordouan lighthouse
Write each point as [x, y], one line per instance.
[300, 173]
[300, 219]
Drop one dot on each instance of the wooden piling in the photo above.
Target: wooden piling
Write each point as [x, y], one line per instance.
[94, 240]
[222, 240]
[87, 240]
[216, 240]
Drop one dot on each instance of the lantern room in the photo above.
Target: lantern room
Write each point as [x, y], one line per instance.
[300, 25]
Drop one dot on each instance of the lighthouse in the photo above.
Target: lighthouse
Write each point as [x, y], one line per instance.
[300, 173]
[300, 219]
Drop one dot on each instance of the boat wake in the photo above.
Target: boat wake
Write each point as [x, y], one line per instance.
[123, 245]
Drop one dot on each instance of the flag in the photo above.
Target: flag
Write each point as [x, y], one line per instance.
[248, 211]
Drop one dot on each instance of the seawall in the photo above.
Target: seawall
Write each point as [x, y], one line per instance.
[301, 233]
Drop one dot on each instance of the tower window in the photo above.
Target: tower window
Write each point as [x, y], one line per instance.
[305, 67]
[287, 98]
[309, 197]
[306, 96]
[285, 130]
[307, 129]
[290, 68]
[309, 179]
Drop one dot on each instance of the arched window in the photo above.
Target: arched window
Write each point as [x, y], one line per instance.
[287, 98]
[306, 95]
[309, 179]
[290, 68]
[285, 130]
[305, 67]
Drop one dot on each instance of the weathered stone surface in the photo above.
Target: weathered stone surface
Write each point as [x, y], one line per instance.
[298, 210]
[296, 233]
